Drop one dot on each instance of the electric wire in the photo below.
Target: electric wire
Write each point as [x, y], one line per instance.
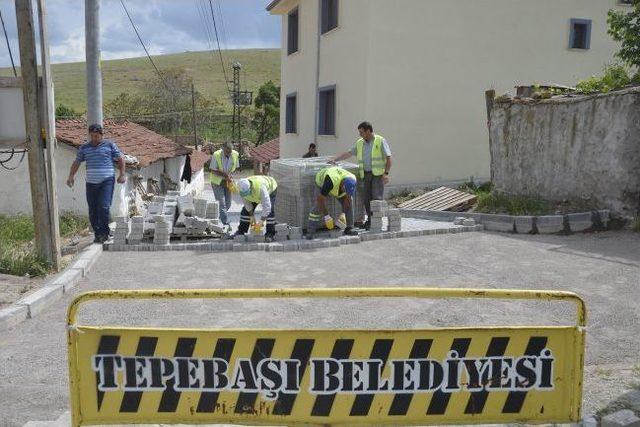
[215, 28]
[13, 65]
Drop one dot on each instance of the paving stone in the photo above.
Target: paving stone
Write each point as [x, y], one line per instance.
[468, 222]
[580, 221]
[12, 315]
[41, 298]
[68, 279]
[502, 223]
[624, 418]
[549, 224]
[524, 224]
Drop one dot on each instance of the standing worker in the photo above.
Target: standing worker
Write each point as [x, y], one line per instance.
[256, 190]
[341, 184]
[100, 154]
[374, 163]
[224, 163]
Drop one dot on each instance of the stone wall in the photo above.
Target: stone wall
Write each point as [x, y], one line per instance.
[584, 149]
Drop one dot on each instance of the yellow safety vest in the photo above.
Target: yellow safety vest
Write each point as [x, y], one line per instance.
[378, 159]
[235, 164]
[336, 175]
[256, 183]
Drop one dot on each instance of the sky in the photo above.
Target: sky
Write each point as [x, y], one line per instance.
[166, 26]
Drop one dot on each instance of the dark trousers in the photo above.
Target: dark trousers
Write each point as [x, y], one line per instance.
[372, 189]
[245, 217]
[99, 200]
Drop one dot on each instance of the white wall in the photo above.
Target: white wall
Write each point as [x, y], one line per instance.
[418, 71]
[15, 192]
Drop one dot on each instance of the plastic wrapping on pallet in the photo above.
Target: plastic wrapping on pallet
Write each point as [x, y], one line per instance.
[297, 189]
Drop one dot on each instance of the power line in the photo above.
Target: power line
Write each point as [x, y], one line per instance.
[225, 40]
[202, 12]
[215, 27]
[142, 43]
[15, 73]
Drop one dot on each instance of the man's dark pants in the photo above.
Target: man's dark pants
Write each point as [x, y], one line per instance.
[372, 189]
[245, 218]
[99, 200]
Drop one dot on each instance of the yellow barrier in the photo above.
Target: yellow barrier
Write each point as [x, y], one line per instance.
[326, 377]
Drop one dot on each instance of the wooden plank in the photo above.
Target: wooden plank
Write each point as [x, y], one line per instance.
[441, 199]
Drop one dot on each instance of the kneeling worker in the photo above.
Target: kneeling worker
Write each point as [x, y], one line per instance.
[257, 190]
[341, 184]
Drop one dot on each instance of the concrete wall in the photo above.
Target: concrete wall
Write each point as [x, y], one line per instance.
[418, 71]
[576, 149]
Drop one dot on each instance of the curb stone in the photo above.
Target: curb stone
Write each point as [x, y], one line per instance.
[52, 290]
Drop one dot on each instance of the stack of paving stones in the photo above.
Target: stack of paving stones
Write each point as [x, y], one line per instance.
[186, 206]
[163, 229]
[200, 207]
[378, 210]
[282, 232]
[295, 233]
[137, 230]
[121, 232]
[212, 210]
[395, 220]
[297, 189]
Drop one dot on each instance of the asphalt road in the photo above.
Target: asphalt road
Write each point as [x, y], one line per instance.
[604, 268]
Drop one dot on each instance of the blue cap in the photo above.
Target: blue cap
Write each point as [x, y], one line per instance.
[349, 186]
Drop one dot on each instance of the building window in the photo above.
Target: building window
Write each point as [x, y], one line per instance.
[580, 36]
[626, 2]
[329, 15]
[292, 32]
[290, 115]
[327, 111]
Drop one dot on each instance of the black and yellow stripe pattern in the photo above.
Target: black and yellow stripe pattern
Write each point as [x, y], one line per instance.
[174, 404]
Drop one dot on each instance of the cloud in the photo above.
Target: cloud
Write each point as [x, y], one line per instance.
[166, 26]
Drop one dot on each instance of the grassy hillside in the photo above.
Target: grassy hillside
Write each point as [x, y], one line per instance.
[128, 75]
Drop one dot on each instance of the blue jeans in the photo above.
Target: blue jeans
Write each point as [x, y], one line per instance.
[99, 200]
[223, 196]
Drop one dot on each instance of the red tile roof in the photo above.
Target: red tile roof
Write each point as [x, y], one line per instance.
[132, 139]
[266, 152]
[199, 159]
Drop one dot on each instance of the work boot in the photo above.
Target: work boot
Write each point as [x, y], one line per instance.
[359, 224]
[269, 238]
[367, 225]
[349, 231]
[96, 239]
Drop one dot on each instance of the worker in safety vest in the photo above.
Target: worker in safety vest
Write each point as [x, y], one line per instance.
[223, 164]
[341, 184]
[258, 190]
[374, 163]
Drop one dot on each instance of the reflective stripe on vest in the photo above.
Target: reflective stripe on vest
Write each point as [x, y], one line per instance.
[256, 183]
[235, 164]
[336, 175]
[378, 159]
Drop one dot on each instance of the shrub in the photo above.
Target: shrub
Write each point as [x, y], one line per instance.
[614, 77]
[20, 260]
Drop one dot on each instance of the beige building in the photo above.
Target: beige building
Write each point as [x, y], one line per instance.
[418, 70]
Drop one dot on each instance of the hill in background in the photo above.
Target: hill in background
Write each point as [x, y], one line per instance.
[129, 75]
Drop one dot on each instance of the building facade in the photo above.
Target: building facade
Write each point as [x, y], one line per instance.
[418, 70]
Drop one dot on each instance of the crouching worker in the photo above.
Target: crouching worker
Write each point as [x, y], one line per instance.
[338, 183]
[258, 190]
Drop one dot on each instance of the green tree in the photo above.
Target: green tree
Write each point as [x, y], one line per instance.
[266, 118]
[624, 27]
[64, 112]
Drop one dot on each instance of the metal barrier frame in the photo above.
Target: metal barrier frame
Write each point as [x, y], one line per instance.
[383, 292]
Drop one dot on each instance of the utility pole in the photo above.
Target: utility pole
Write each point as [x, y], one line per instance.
[49, 127]
[236, 133]
[194, 118]
[239, 99]
[44, 229]
[94, 73]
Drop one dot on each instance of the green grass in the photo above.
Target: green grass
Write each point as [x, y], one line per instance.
[129, 75]
[17, 254]
[490, 201]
